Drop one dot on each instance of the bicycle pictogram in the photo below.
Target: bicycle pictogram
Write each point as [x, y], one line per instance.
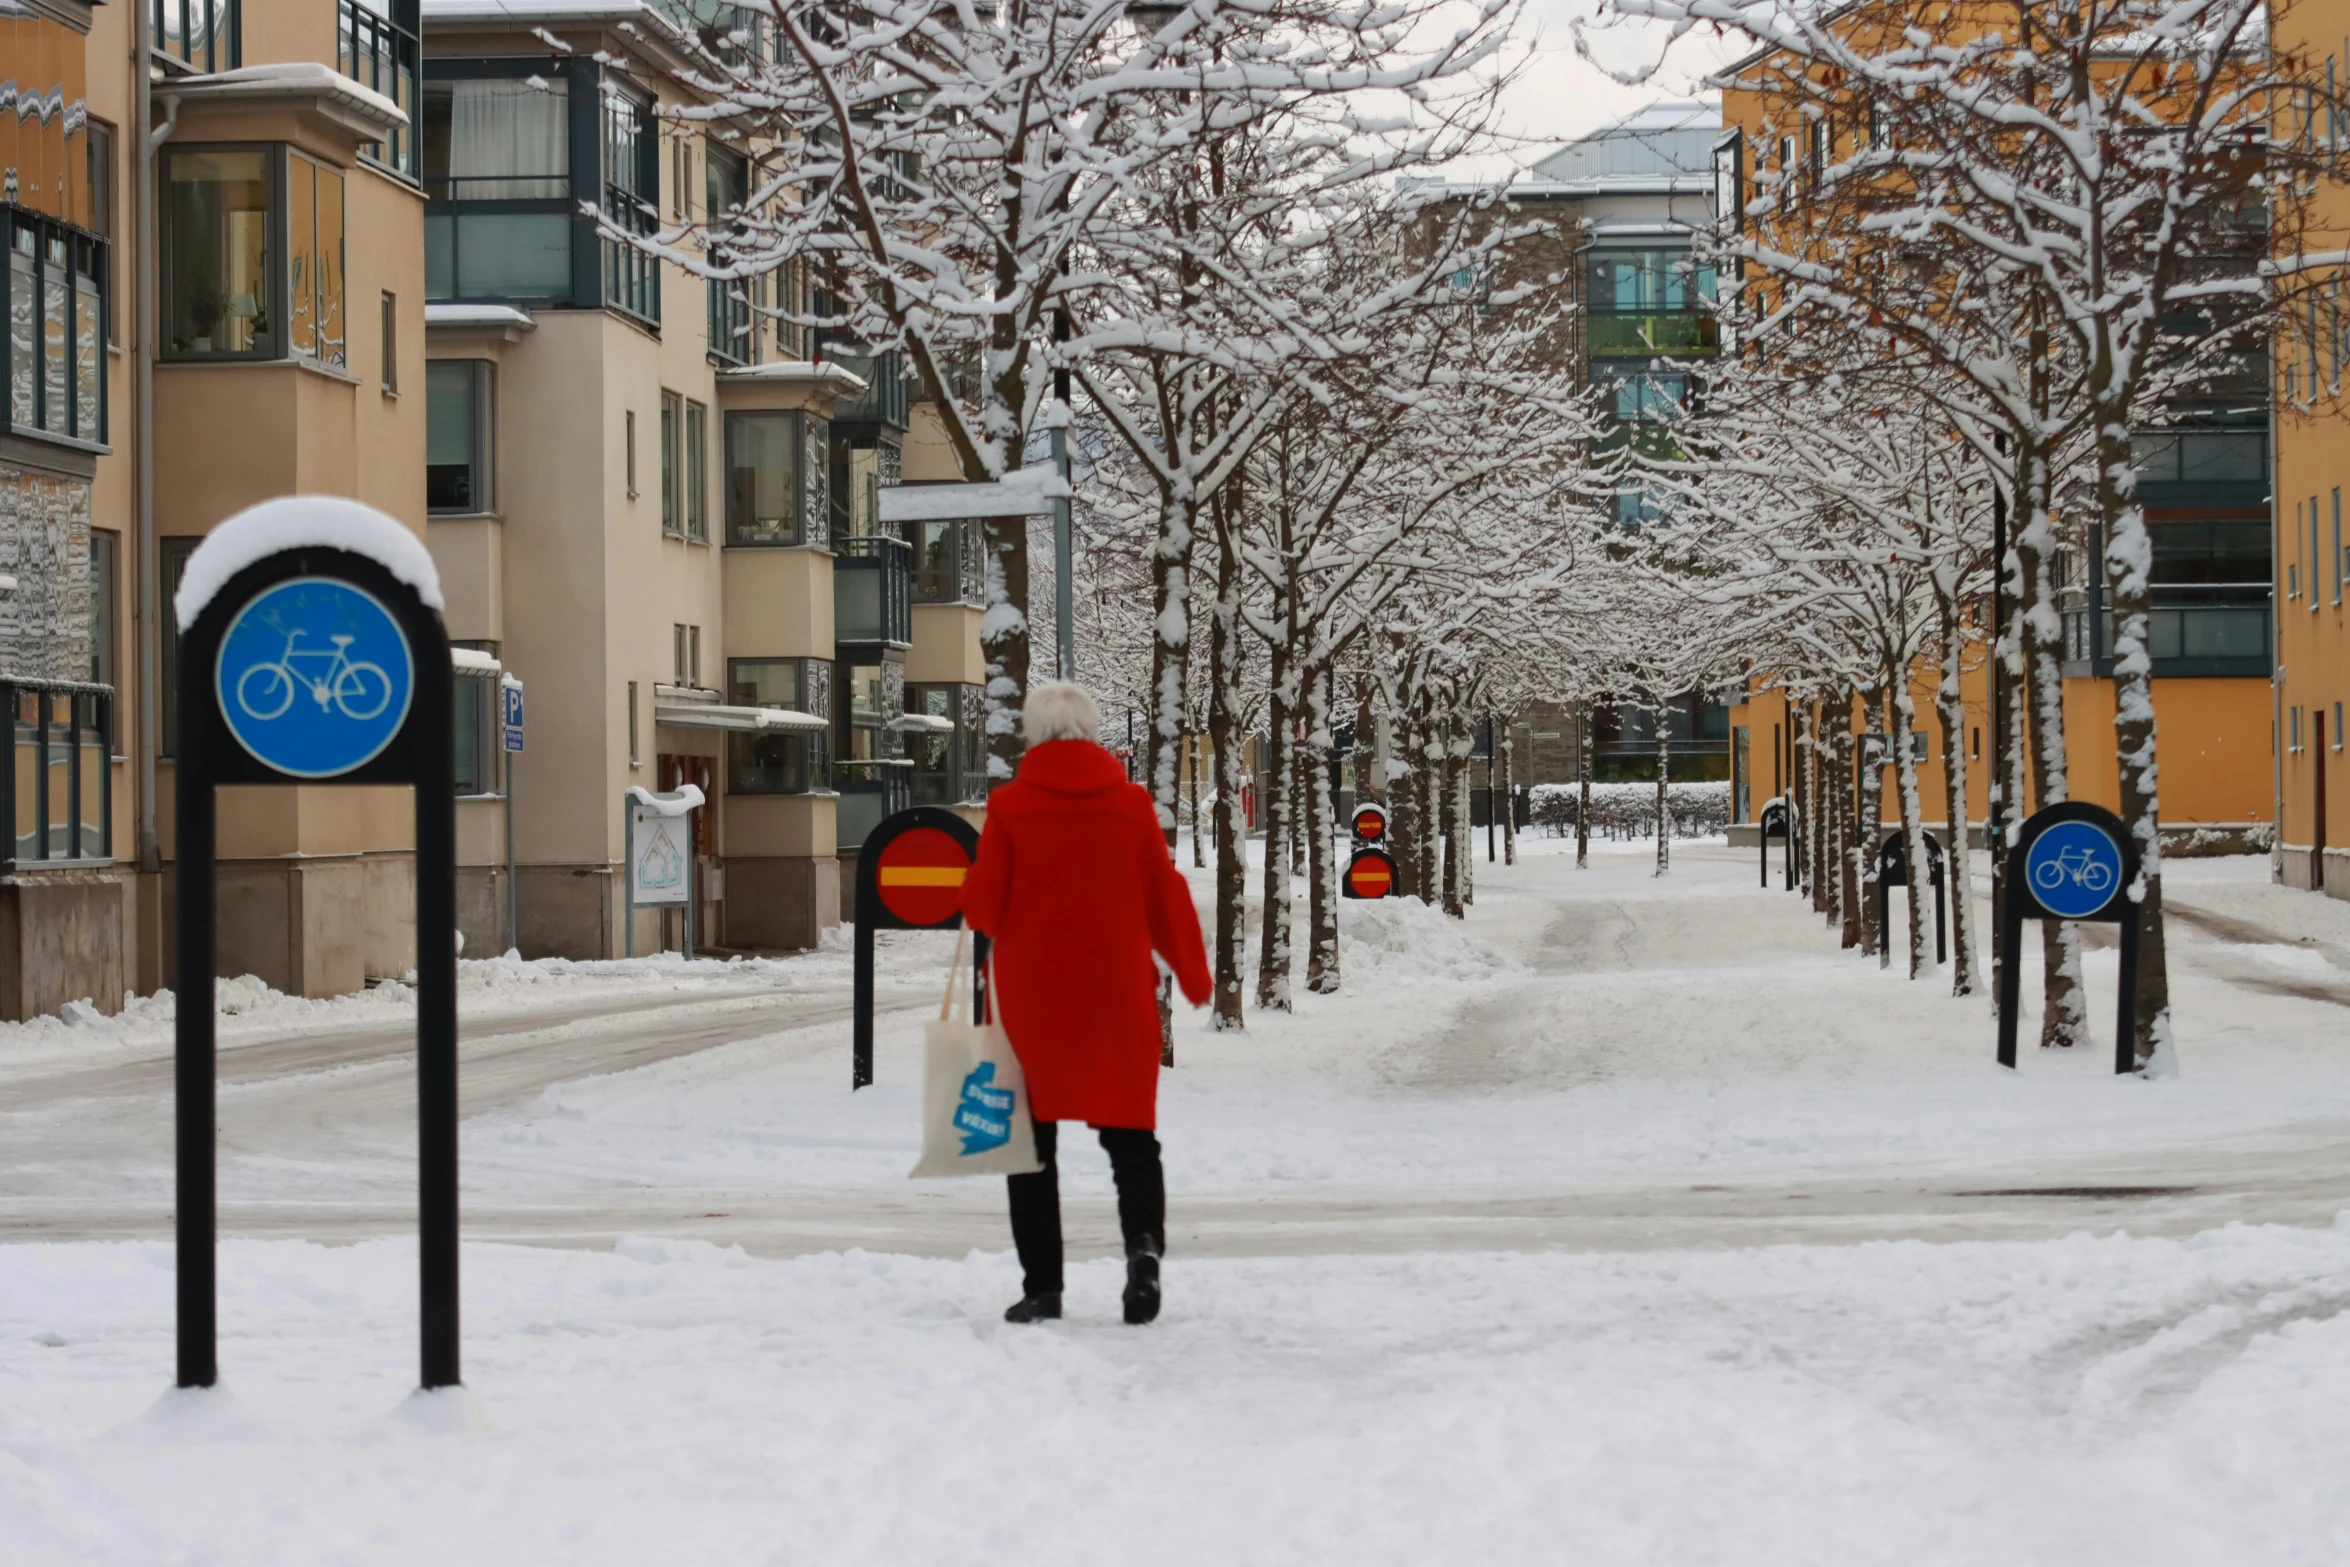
[2080, 867]
[356, 688]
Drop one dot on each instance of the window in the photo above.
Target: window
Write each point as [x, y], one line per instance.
[628, 446]
[56, 357]
[693, 655]
[217, 288]
[391, 343]
[2314, 555]
[950, 766]
[677, 673]
[2295, 715]
[497, 181]
[1786, 173]
[2336, 555]
[768, 495]
[460, 412]
[672, 421]
[635, 756]
[171, 565]
[697, 473]
[202, 33]
[947, 563]
[732, 337]
[778, 761]
[631, 201]
[475, 731]
[314, 260]
[1822, 147]
[105, 604]
[377, 49]
[100, 147]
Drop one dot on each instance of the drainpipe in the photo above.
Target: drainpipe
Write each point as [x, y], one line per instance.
[150, 719]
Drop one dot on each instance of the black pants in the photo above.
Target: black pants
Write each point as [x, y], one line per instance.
[1036, 1202]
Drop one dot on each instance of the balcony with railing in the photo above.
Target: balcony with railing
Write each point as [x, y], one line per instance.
[871, 599]
[2209, 607]
[2213, 466]
[377, 48]
[1611, 334]
[203, 35]
[58, 796]
[883, 405]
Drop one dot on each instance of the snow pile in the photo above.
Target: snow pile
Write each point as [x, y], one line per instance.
[292, 522]
[1628, 810]
[1398, 941]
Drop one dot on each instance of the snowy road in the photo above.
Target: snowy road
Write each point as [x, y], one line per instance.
[1632, 1223]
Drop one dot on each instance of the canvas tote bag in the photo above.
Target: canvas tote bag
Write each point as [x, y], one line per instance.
[974, 1099]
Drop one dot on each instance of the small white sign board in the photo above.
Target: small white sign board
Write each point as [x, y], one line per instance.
[661, 849]
[1026, 492]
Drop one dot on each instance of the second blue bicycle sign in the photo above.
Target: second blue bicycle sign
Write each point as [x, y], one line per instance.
[2073, 861]
[314, 677]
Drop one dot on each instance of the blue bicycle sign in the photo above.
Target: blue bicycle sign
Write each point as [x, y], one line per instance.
[314, 677]
[2075, 869]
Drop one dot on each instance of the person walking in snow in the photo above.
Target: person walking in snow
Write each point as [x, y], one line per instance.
[1075, 886]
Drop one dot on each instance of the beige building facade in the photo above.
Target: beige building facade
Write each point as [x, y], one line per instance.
[653, 496]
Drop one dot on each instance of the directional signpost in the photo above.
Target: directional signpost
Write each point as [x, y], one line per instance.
[2072, 861]
[314, 654]
[909, 877]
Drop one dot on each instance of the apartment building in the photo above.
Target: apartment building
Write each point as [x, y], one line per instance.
[2312, 555]
[654, 499]
[216, 296]
[2203, 476]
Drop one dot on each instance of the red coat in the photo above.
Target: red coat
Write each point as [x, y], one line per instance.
[1074, 883]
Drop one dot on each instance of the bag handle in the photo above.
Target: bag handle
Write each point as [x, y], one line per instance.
[946, 1005]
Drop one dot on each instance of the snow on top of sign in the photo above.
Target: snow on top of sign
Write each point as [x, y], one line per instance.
[685, 799]
[293, 522]
[1022, 492]
[472, 660]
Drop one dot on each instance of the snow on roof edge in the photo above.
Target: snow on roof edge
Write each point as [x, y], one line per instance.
[293, 522]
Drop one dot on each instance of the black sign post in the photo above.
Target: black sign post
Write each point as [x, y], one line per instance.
[1892, 872]
[2073, 861]
[910, 872]
[1776, 824]
[317, 666]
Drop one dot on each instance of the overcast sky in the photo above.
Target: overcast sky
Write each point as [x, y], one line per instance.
[1560, 95]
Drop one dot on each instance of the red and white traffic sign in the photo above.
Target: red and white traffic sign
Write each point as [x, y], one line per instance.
[1370, 874]
[920, 877]
[1370, 822]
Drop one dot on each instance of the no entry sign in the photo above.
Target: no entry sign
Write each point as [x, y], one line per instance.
[1370, 874]
[919, 875]
[1370, 823]
[910, 873]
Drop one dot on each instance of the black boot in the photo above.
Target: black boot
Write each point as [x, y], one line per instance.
[1042, 1308]
[1142, 1287]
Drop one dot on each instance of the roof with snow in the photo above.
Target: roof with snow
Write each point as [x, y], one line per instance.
[1659, 148]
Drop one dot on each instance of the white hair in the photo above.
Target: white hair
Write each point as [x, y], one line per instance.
[1059, 710]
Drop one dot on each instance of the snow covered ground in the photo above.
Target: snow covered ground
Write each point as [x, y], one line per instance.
[1631, 1222]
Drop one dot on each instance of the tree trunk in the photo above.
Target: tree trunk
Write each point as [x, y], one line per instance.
[2128, 560]
[1958, 863]
[1844, 808]
[1430, 781]
[2064, 1019]
[1507, 803]
[1280, 777]
[1583, 782]
[1868, 821]
[1224, 648]
[1807, 781]
[1913, 827]
[1170, 655]
[1191, 759]
[1401, 794]
[1003, 641]
[1321, 831]
[1450, 768]
[1460, 843]
[1664, 779]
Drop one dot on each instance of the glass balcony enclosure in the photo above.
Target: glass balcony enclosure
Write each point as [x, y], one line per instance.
[871, 773]
[1646, 282]
[777, 479]
[779, 761]
[55, 792]
[870, 599]
[950, 766]
[947, 562]
[56, 343]
[2209, 604]
[253, 255]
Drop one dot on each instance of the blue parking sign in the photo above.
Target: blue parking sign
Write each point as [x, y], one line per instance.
[314, 677]
[513, 717]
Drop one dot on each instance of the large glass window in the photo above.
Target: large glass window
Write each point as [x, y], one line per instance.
[459, 435]
[217, 254]
[672, 429]
[105, 603]
[314, 272]
[727, 181]
[377, 48]
[697, 472]
[1647, 282]
[497, 170]
[632, 202]
[777, 761]
[56, 311]
[767, 494]
[946, 562]
[950, 766]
